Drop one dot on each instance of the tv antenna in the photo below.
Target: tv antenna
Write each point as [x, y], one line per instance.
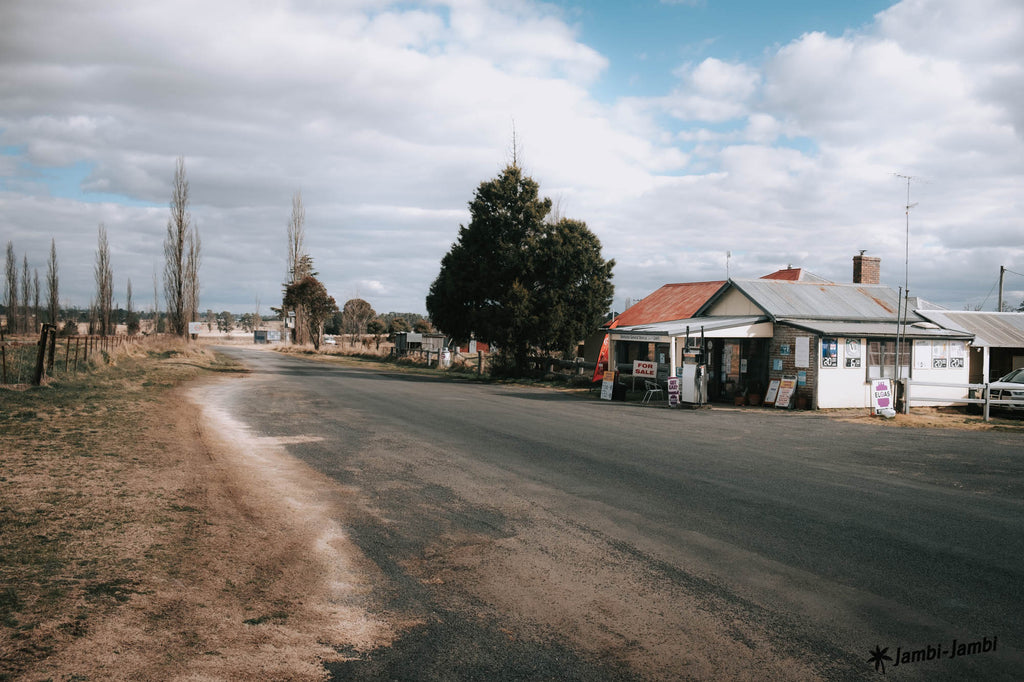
[906, 279]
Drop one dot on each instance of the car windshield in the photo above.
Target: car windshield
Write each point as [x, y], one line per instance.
[1015, 377]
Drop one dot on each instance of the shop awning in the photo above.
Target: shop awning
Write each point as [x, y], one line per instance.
[744, 327]
[838, 328]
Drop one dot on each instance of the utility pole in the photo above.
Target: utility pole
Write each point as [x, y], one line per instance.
[1002, 274]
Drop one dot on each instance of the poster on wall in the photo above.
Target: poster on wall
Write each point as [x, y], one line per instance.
[803, 351]
[940, 355]
[957, 354]
[852, 353]
[922, 354]
[829, 353]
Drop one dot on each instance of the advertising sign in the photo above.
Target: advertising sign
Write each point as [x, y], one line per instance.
[957, 354]
[787, 385]
[602, 360]
[881, 395]
[829, 352]
[852, 353]
[645, 368]
[673, 391]
[195, 327]
[608, 386]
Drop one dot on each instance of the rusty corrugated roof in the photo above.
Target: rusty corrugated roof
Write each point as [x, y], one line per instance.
[670, 302]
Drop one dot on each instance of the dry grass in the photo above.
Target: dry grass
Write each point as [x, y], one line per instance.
[934, 417]
[131, 549]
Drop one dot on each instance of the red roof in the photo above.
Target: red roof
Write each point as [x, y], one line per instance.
[670, 302]
[792, 274]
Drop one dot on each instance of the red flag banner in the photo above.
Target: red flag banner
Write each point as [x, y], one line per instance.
[602, 360]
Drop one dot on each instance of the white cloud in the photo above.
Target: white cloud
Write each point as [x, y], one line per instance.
[387, 117]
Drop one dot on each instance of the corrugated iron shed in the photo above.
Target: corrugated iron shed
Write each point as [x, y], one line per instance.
[823, 301]
[670, 302]
[995, 330]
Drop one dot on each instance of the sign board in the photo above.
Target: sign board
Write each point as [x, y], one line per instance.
[829, 352]
[881, 395]
[649, 338]
[607, 385]
[803, 351]
[195, 327]
[852, 353]
[787, 385]
[673, 391]
[773, 392]
[645, 368]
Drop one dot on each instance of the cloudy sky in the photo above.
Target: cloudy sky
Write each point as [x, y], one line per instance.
[678, 130]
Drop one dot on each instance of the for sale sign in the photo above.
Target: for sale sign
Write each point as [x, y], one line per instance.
[645, 368]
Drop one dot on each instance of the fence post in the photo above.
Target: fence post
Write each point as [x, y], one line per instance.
[988, 397]
[3, 359]
[52, 338]
[37, 378]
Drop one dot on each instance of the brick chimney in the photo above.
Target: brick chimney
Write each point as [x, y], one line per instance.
[866, 269]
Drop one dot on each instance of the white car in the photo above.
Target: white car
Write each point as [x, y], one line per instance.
[1009, 387]
[329, 340]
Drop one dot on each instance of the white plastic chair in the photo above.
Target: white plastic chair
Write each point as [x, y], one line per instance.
[653, 389]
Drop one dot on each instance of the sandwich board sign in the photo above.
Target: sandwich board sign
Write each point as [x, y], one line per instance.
[787, 385]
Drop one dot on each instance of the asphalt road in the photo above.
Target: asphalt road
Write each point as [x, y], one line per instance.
[532, 534]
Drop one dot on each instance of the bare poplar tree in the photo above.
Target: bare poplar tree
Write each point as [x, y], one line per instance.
[35, 301]
[52, 285]
[104, 283]
[299, 265]
[181, 257]
[11, 297]
[26, 294]
[131, 318]
[192, 261]
[156, 303]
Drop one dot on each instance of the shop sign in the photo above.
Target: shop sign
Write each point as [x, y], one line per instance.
[649, 338]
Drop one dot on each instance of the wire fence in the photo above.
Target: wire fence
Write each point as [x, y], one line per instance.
[24, 361]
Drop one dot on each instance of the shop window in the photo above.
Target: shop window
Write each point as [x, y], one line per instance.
[882, 359]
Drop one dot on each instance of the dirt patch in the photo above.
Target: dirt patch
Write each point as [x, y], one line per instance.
[932, 417]
[139, 541]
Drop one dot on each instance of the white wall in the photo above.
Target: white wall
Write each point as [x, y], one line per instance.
[848, 387]
[927, 355]
[844, 386]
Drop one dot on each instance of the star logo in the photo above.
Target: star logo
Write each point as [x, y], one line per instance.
[879, 657]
